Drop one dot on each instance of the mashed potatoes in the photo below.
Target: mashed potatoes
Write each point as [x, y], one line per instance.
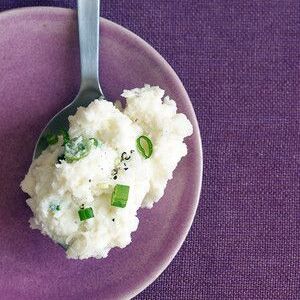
[63, 186]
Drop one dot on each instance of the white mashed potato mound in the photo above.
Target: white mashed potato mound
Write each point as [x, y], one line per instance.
[90, 181]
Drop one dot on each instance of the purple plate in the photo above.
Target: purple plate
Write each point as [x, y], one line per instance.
[39, 71]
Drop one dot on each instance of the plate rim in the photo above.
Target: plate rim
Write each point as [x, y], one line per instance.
[196, 135]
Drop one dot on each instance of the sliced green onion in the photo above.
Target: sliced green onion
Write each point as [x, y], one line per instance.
[96, 142]
[65, 135]
[85, 213]
[120, 195]
[54, 207]
[51, 139]
[77, 148]
[144, 146]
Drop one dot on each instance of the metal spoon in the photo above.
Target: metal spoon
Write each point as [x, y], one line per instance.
[88, 23]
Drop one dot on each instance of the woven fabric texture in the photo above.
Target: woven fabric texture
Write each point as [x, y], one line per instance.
[240, 63]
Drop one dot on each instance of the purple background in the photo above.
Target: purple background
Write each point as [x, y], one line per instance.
[240, 63]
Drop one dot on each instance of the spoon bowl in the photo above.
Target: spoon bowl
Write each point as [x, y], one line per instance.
[88, 24]
[60, 120]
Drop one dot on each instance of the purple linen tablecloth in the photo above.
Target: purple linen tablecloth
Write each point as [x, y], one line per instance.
[240, 63]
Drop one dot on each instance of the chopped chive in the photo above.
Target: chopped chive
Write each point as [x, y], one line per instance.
[120, 195]
[85, 213]
[144, 146]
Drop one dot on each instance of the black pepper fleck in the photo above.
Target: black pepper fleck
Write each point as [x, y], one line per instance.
[124, 156]
[113, 220]
[115, 177]
[90, 180]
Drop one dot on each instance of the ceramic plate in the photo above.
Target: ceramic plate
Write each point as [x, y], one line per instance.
[39, 71]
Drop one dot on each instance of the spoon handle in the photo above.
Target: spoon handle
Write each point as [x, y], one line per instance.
[88, 23]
